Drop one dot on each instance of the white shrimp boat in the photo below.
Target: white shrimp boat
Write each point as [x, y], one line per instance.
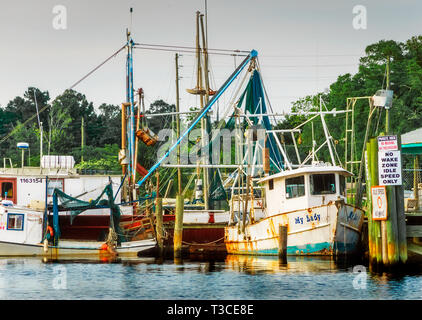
[309, 199]
[311, 202]
[21, 234]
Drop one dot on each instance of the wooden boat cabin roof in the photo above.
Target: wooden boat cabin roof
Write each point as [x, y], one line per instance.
[307, 170]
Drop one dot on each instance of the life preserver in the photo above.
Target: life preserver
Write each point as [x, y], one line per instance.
[50, 230]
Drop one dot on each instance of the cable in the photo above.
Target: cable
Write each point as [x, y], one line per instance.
[193, 48]
[97, 67]
[44, 108]
[189, 51]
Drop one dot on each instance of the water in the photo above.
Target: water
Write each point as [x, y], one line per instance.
[232, 278]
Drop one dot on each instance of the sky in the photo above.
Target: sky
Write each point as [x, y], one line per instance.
[303, 46]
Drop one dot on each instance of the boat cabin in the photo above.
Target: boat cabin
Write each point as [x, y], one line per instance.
[304, 188]
[27, 186]
[20, 225]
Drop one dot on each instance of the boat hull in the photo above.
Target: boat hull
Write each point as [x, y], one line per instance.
[73, 248]
[327, 230]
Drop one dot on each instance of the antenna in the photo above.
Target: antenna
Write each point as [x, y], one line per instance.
[36, 106]
[131, 13]
[40, 126]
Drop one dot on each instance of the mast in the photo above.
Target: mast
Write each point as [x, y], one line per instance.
[207, 95]
[202, 112]
[203, 120]
[179, 172]
[130, 101]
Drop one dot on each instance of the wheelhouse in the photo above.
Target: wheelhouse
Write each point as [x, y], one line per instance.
[304, 188]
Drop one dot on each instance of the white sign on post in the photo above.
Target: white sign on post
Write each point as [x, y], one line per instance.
[389, 168]
[379, 203]
[387, 143]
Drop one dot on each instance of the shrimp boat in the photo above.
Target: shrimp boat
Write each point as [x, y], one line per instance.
[311, 202]
[309, 199]
[26, 231]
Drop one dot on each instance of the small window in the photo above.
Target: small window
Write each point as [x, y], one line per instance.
[271, 184]
[15, 221]
[7, 190]
[342, 186]
[323, 184]
[295, 187]
[52, 184]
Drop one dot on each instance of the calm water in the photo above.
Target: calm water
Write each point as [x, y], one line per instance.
[235, 277]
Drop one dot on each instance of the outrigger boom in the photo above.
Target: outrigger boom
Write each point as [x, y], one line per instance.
[203, 112]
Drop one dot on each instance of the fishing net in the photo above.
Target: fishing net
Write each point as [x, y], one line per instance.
[76, 206]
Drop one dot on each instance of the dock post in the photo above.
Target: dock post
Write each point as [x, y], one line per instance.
[376, 225]
[387, 239]
[178, 227]
[401, 218]
[282, 243]
[401, 224]
[159, 224]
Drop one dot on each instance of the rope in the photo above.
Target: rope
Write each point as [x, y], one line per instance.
[111, 238]
[96, 68]
[200, 244]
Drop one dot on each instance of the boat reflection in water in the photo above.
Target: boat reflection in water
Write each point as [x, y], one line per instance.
[270, 264]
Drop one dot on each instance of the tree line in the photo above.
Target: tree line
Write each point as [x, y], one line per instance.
[68, 115]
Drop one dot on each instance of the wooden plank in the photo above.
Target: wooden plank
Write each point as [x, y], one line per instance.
[413, 231]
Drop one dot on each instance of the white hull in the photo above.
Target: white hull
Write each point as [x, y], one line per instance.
[324, 230]
[73, 248]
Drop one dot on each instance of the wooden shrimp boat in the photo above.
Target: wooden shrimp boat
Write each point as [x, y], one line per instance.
[311, 202]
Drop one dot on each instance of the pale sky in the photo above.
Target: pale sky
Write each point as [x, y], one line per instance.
[302, 45]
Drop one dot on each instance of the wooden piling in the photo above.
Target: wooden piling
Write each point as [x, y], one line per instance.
[178, 227]
[401, 218]
[391, 224]
[371, 238]
[159, 225]
[373, 161]
[282, 244]
[386, 239]
[401, 225]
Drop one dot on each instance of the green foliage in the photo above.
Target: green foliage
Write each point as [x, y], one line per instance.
[405, 60]
[62, 118]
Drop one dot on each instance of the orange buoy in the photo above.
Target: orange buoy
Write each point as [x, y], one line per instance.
[146, 136]
[50, 230]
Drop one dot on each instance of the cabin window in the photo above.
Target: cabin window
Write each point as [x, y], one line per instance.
[7, 190]
[271, 184]
[295, 187]
[342, 186]
[323, 184]
[52, 184]
[15, 221]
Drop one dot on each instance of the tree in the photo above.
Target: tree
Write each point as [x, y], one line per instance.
[58, 121]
